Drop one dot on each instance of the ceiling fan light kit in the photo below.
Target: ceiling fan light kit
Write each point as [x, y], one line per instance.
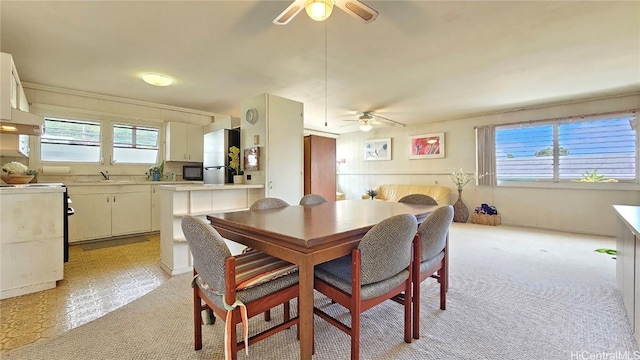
[365, 127]
[319, 10]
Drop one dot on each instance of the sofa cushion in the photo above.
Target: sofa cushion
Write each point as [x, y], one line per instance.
[395, 192]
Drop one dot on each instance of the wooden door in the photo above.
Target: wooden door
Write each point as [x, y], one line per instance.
[320, 166]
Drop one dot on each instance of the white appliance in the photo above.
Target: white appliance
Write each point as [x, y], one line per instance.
[216, 155]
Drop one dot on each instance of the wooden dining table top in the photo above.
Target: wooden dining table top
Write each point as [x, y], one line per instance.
[306, 228]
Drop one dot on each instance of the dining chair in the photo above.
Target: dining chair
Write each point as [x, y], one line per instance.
[430, 258]
[312, 199]
[236, 288]
[378, 269]
[268, 203]
[419, 199]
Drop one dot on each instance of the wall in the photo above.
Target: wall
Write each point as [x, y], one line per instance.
[51, 101]
[562, 207]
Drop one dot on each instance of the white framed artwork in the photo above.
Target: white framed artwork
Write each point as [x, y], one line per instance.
[377, 149]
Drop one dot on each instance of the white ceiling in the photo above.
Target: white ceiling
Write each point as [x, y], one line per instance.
[418, 62]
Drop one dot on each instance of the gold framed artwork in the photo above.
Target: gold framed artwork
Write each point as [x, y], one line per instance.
[252, 159]
[427, 146]
[377, 149]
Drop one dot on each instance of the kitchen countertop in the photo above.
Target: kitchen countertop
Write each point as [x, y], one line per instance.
[18, 189]
[208, 187]
[130, 182]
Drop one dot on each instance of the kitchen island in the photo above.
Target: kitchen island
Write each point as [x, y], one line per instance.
[197, 200]
[31, 238]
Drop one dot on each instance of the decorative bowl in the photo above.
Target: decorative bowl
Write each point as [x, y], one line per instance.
[16, 179]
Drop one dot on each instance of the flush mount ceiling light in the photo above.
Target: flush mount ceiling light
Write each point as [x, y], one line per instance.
[156, 79]
[319, 10]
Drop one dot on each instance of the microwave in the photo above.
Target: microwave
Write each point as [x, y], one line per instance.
[192, 172]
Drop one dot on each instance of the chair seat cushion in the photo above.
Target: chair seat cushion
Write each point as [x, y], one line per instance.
[257, 275]
[254, 268]
[429, 264]
[338, 273]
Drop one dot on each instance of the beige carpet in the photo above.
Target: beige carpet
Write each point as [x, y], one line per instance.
[515, 294]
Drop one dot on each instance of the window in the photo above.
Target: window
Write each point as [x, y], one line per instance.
[70, 141]
[599, 149]
[135, 144]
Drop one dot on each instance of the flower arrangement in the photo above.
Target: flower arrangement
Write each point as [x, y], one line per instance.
[234, 163]
[372, 193]
[460, 178]
[15, 167]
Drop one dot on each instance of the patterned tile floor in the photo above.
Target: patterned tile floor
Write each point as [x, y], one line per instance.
[95, 283]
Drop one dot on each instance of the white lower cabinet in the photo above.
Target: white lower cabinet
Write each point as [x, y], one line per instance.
[155, 208]
[105, 211]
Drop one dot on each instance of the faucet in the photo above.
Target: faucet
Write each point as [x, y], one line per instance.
[105, 174]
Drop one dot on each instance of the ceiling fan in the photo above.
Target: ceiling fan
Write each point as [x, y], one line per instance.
[368, 119]
[320, 10]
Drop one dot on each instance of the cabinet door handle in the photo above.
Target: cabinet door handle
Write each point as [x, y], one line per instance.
[114, 198]
[108, 198]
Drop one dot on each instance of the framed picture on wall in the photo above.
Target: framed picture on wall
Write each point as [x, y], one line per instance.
[252, 159]
[428, 146]
[377, 149]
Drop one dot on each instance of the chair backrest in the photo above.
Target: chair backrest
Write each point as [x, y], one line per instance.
[208, 249]
[418, 199]
[386, 248]
[433, 232]
[269, 203]
[312, 199]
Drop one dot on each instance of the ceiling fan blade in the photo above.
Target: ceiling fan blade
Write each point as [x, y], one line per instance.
[357, 9]
[387, 119]
[289, 13]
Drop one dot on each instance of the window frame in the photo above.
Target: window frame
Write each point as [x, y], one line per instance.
[556, 181]
[134, 127]
[101, 142]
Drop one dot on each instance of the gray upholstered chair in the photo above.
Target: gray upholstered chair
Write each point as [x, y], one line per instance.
[312, 199]
[222, 281]
[376, 271]
[419, 199]
[268, 203]
[431, 245]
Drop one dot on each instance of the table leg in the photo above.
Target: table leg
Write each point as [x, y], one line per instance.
[306, 309]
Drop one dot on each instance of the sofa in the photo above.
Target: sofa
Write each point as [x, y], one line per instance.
[394, 192]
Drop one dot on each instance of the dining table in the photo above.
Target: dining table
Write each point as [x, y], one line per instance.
[310, 235]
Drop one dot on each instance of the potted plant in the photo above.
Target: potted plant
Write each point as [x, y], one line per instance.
[16, 173]
[372, 193]
[155, 172]
[234, 165]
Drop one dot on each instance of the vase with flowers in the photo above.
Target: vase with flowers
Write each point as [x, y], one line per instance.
[460, 179]
[234, 165]
[17, 173]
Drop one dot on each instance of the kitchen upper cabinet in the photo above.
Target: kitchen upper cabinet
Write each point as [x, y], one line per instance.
[14, 145]
[11, 91]
[105, 211]
[184, 142]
